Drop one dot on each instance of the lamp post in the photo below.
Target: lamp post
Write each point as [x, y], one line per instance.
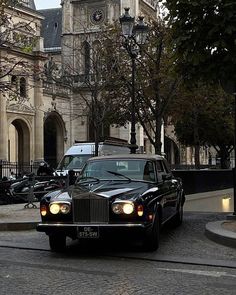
[134, 36]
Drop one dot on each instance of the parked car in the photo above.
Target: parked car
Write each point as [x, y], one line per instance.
[134, 194]
[80, 152]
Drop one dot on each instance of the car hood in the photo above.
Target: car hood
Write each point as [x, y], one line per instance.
[122, 190]
[104, 189]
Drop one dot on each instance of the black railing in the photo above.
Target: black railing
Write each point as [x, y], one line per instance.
[16, 169]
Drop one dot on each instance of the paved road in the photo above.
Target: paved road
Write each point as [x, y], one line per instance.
[37, 272]
[186, 263]
[187, 241]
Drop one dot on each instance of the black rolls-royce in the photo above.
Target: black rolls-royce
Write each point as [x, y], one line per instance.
[114, 194]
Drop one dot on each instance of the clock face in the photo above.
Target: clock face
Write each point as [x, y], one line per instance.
[97, 16]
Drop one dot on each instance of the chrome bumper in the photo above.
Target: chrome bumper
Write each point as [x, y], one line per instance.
[102, 225]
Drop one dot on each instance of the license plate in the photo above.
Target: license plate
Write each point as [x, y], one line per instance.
[88, 232]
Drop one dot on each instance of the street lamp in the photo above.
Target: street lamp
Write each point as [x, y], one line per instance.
[134, 36]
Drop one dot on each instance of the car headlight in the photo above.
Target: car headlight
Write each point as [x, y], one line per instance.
[123, 207]
[54, 208]
[65, 208]
[60, 207]
[117, 208]
[128, 208]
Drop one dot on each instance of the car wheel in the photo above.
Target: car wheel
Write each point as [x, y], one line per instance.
[57, 243]
[152, 237]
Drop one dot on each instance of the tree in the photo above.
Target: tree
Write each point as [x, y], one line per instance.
[155, 82]
[203, 33]
[87, 71]
[203, 116]
[17, 39]
[159, 87]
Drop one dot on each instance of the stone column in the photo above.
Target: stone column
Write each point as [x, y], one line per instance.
[39, 121]
[3, 128]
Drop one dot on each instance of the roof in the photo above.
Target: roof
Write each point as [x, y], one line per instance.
[28, 3]
[128, 157]
[32, 4]
[52, 28]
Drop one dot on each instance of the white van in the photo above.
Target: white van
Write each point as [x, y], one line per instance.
[80, 152]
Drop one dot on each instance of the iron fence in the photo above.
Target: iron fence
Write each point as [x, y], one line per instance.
[16, 169]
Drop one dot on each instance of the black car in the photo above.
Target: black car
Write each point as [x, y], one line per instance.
[134, 194]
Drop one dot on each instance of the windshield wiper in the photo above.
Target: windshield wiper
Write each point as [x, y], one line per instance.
[119, 174]
[86, 179]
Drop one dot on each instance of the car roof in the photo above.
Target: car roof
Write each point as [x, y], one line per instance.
[128, 157]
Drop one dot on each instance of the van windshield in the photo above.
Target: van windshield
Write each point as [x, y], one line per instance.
[70, 162]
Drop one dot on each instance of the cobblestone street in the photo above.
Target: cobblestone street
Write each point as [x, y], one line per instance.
[186, 263]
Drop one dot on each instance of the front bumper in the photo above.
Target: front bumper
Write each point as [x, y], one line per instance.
[71, 229]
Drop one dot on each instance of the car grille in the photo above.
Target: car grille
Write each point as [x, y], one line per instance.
[90, 210]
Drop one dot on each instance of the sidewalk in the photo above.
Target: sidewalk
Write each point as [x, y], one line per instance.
[16, 217]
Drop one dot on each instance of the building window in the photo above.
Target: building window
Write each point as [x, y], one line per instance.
[22, 87]
[14, 81]
[86, 57]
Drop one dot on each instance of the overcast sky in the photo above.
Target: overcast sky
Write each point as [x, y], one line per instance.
[43, 4]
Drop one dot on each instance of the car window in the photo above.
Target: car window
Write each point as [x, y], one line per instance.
[73, 162]
[134, 169]
[167, 167]
[149, 172]
[160, 167]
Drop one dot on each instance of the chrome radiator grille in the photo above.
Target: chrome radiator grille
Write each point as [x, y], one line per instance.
[90, 210]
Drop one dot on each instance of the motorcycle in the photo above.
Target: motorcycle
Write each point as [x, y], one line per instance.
[29, 190]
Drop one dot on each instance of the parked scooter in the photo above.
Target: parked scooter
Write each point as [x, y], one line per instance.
[20, 190]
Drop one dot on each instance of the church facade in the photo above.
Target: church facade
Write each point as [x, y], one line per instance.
[40, 118]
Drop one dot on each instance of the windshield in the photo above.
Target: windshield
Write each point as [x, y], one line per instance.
[70, 162]
[120, 169]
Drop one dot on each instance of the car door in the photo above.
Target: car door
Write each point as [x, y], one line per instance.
[173, 188]
[167, 188]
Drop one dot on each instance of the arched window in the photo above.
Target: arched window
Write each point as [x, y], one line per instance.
[14, 83]
[86, 58]
[13, 80]
[96, 56]
[22, 87]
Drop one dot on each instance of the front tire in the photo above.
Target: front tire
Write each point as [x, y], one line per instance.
[57, 243]
[152, 237]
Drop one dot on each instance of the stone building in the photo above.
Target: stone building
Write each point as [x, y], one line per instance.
[21, 97]
[76, 25]
[40, 118]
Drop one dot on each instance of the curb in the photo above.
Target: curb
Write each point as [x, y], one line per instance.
[216, 233]
[18, 226]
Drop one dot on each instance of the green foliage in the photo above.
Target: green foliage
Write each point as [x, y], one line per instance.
[204, 115]
[155, 82]
[204, 33]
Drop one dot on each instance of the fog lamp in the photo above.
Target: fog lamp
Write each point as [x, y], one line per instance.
[54, 208]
